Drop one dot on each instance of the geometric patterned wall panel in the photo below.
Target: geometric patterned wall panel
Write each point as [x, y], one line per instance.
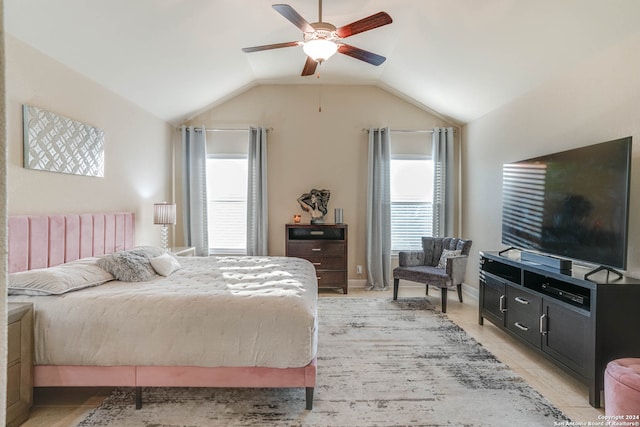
[57, 144]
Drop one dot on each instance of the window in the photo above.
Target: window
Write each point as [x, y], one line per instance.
[227, 199]
[411, 200]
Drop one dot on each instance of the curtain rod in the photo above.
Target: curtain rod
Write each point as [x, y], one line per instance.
[407, 130]
[225, 130]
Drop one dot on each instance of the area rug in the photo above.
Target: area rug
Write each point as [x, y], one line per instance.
[380, 363]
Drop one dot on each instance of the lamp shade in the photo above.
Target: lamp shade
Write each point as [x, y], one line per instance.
[164, 213]
[320, 49]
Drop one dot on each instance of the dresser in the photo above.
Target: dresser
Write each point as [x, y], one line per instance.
[19, 362]
[325, 246]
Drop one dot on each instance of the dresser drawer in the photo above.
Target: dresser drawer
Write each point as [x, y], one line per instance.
[327, 262]
[309, 248]
[331, 278]
[13, 342]
[13, 384]
[523, 315]
[19, 392]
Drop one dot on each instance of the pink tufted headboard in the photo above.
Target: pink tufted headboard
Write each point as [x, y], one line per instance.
[48, 240]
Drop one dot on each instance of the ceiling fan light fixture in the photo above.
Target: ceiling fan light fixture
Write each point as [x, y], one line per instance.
[322, 39]
[320, 49]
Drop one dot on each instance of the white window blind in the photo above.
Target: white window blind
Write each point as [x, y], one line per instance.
[227, 199]
[411, 201]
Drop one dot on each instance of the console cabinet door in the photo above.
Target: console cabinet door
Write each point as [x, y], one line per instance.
[523, 314]
[565, 336]
[492, 298]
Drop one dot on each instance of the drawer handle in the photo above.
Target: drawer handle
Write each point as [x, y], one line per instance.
[502, 307]
[543, 330]
[319, 278]
[317, 263]
[317, 233]
[316, 249]
[521, 326]
[522, 300]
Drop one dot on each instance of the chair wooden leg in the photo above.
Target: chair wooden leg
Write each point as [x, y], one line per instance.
[395, 288]
[427, 291]
[460, 292]
[444, 299]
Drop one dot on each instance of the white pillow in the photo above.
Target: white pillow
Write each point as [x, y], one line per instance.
[59, 279]
[165, 264]
[446, 254]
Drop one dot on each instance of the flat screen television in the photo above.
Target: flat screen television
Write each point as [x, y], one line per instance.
[573, 204]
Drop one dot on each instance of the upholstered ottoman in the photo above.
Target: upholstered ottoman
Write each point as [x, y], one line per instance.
[622, 387]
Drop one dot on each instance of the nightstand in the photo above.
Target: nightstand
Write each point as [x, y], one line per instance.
[183, 251]
[19, 362]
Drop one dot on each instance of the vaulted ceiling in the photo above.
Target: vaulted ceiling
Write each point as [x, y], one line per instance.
[460, 58]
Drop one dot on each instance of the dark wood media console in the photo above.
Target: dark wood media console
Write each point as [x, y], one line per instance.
[580, 325]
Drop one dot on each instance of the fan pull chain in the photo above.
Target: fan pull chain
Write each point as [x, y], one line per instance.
[319, 93]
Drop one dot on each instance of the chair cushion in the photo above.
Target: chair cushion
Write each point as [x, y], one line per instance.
[423, 274]
[433, 247]
[406, 258]
[446, 254]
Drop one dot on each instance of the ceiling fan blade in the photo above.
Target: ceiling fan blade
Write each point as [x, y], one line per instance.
[365, 24]
[309, 67]
[361, 54]
[294, 17]
[269, 46]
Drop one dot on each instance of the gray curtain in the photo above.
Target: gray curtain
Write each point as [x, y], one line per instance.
[194, 189]
[257, 208]
[378, 211]
[443, 183]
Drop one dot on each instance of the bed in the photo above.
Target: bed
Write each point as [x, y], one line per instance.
[211, 322]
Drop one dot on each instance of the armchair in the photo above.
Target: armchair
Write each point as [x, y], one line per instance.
[430, 267]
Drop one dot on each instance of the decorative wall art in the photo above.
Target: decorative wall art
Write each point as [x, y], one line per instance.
[58, 144]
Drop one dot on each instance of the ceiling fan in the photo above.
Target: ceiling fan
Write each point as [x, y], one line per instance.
[322, 39]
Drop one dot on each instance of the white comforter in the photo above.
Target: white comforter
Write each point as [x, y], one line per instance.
[215, 311]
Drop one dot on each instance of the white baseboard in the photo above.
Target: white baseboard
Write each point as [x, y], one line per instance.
[357, 283]
[470, 290]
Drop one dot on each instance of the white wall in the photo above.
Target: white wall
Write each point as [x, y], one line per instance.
[325, 150]
[138, 155]
[597, 101]
[3, 223]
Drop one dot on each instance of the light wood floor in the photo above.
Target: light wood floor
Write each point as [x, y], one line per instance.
[62, 407]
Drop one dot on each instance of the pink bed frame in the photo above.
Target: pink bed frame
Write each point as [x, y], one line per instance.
[44, 241]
